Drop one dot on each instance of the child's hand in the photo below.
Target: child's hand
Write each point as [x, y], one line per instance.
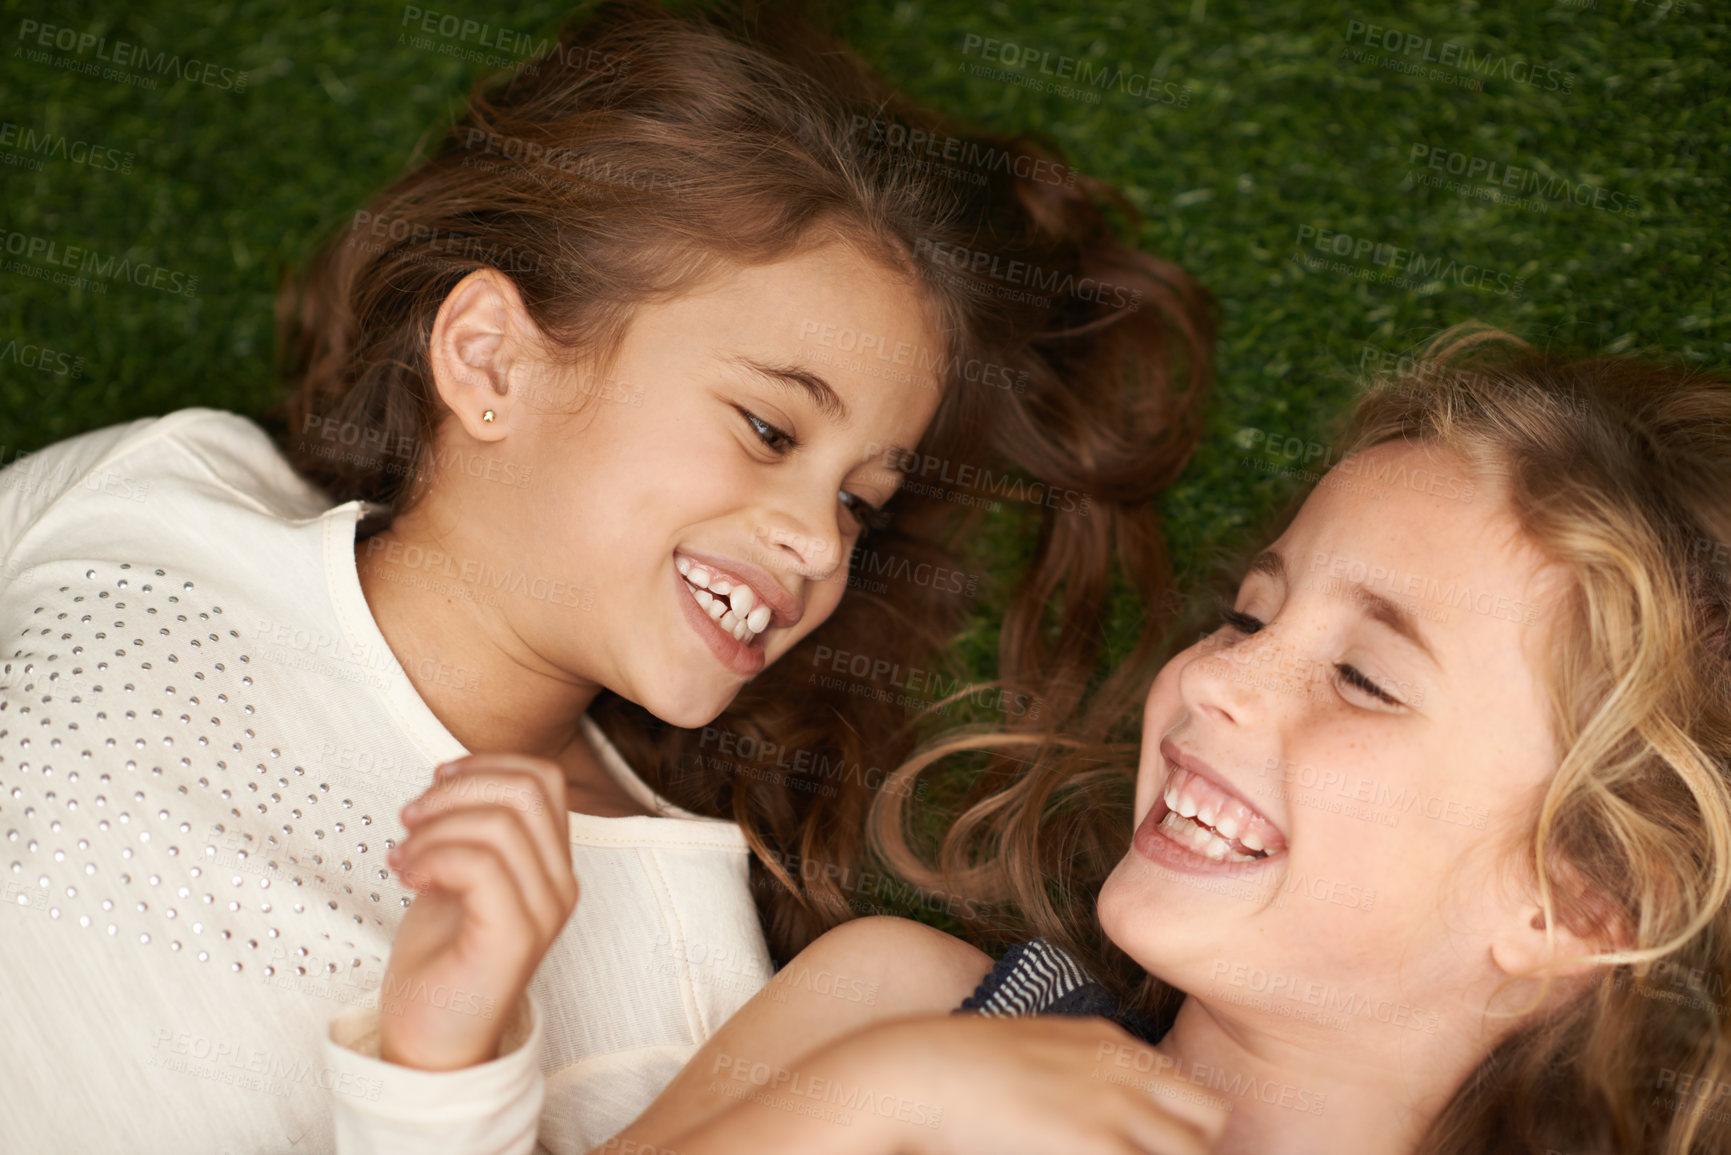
[489, 852]
[963, 1085]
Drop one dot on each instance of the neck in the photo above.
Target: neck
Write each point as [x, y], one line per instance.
[483, 681]
[1371, 1089]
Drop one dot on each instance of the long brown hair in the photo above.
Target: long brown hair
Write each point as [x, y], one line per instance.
[631, 160]
[1619, 472]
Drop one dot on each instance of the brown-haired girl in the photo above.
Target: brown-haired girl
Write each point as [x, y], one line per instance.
[589, 413]
[1429, 849]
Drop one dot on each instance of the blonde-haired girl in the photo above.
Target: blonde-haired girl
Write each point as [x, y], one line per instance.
[1406, 868]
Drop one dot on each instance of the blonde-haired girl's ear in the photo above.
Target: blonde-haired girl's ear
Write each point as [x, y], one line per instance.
[479, 340]
[1528, 942]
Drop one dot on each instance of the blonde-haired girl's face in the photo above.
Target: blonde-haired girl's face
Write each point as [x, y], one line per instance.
[1369, 726]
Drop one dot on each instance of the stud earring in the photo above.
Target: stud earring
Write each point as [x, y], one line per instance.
[487, 416]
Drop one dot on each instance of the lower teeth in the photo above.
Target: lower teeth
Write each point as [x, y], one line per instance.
[745, 635]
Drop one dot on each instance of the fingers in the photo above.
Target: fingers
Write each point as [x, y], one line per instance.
[536, 785]
[493, 902]
[531, 787]
[1165, 1097]
[1148, 1127]
[547, 891]
[548, 773]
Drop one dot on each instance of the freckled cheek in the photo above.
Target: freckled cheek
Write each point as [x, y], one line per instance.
[1165, 701]
[1158, 714]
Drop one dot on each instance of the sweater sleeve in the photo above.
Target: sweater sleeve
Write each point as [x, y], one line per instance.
[381, 1108]
[32, 483]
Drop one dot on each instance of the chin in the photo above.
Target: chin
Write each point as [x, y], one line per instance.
[1146, 917]
[690, 711]
[1116, 903]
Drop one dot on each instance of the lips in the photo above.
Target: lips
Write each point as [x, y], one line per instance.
[732, 604]
[1201, 825]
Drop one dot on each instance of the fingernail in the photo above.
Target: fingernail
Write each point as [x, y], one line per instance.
[411, 810]
[445, 770]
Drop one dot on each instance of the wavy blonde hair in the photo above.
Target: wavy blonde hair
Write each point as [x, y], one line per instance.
[1618, 471]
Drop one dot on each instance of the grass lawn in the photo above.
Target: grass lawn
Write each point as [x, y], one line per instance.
[1245, 133]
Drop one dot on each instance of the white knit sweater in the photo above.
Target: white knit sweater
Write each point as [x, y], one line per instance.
[204, 745]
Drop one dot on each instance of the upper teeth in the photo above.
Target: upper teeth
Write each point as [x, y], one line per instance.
[740, 614]
[1203, 811]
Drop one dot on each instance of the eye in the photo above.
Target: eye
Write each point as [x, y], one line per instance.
[867, 517]
[778, 440]
[1353, 677]
[1242, 622]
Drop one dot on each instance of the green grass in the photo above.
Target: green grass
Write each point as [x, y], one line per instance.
[1261, 130]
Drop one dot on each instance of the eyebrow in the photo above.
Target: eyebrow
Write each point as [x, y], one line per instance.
[822, 395]
[1376, 607]
[819, 391]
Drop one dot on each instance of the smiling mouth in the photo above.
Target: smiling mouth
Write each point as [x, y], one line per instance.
[730, 603]
[1208, 821]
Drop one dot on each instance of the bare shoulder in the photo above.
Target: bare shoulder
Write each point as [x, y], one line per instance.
[913, 968]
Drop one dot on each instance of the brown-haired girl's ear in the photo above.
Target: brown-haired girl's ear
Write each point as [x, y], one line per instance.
[481, 338]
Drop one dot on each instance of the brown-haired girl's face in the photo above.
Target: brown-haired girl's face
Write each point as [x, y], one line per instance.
[705, 495]
[1331, 783]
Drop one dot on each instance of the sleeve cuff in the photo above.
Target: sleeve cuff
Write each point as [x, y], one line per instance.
[381, 1108]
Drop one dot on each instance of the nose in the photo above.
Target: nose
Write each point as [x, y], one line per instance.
[804, 541]
[1240, 680]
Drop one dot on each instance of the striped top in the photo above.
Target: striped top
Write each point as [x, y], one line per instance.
[1040, 978]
